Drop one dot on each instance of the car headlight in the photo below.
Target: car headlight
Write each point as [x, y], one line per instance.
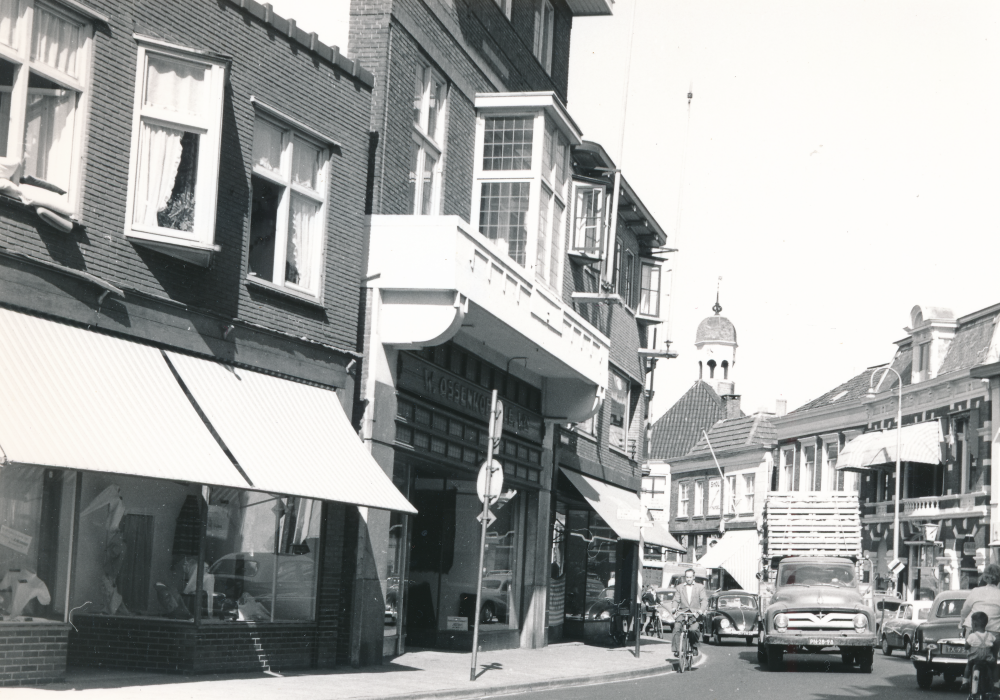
[781, 622]
[605, 615]
[860, 622]
[724, 624]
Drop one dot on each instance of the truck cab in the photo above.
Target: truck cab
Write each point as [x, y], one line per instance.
[809, 604]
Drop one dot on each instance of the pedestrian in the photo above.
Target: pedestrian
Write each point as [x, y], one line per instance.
[980, 643]
[985, 599]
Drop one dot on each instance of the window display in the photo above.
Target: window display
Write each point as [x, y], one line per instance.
[35, 515]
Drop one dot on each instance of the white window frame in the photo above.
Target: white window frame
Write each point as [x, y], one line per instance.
[578, 241]
[683, 499]
[786, 478]
[715, 485]
[545, 20]
[627, 408]
[202, 238]
[428, 143]
[699, 498]
[549, 243]
[649, 484]
[505, 6]
[729, 505]
[320, 196]
[830, 473]
[749, 491]
[652, 306]
[71, 202]
[808, 467]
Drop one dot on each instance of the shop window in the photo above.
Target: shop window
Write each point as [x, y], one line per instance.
[288, 208]
[42, 108]
[591, 561]
[618, 410]
[426, 148]
[174, 165]
[36, 507]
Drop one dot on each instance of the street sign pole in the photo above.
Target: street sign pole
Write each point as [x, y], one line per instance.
[638, 590]
[493, 444]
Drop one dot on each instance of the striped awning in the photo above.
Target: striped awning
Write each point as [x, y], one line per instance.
[287, 437]
[738, 552]
[76, 399]
[920, 442]
[610, 502]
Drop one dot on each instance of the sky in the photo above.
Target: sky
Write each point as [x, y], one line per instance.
[836, 166]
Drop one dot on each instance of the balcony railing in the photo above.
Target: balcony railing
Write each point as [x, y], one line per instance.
[932, 506]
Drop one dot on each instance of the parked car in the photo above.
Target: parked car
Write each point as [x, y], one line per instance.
[886, 606]
[938, 646]
[665, 607]
[252, 573]
[897, 631]
[602, 607]
[495, 592]
[731, 614]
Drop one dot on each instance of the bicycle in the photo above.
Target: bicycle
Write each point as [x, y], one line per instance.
[685, 653]
[621, 623]
[652, 625]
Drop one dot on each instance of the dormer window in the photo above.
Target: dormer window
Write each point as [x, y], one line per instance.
[522, 179]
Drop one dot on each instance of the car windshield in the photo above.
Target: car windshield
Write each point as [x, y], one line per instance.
[815, 574]
[923, 613]
[607, 593]
[736, 602]
[889, 605]
[665, 596]
[952, 607]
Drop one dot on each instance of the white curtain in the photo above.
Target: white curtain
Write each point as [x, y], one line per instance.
[48, 135]
[9, 12]
[160, 156]
[55, 41]
[302, 241]
[176, 86]
[306, 164]
[267, 146]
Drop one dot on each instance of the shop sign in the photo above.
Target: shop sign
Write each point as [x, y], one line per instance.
[433, 383]
[458, 624]
[12, 539]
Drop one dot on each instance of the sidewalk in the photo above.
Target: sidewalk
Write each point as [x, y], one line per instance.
[419, 673]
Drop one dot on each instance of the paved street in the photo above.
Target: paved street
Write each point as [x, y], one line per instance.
[732, 672]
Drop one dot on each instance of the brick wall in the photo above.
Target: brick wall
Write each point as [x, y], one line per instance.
[333, 587]
[32, 653]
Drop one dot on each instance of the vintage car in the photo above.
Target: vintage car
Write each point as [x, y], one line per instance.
[817, 603]
[897, 631]
[938, 645]
[731, 614]
[665, 607]
[886, 607]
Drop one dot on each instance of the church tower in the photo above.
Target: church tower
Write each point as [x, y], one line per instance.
[715, 350]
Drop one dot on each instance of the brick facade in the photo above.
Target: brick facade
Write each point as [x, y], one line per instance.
[32, 654]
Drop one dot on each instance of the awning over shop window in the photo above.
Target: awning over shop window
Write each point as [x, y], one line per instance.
[738, 552]
[75, 399]
[919, 443]
[610, 500]
[287, 437]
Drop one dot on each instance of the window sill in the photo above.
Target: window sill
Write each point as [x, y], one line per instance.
[253, 282]
[620, 451]
[586, 436]
[193, 253]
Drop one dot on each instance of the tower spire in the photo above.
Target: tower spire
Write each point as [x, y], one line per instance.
[718, 307]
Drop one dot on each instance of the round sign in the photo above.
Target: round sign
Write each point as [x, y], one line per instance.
[496, 481]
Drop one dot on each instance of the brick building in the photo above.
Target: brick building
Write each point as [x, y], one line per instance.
[183, 239]
[845, 440]
[506, 254]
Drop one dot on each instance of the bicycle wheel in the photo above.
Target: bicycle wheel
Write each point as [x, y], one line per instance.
[684, 654]
[619, 629]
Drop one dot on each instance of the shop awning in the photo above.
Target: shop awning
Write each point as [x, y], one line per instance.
[738, 552]
[76, 399]
[610, 501]
[920, 442]
[287, 437]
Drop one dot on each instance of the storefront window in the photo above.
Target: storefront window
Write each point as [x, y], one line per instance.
[591, 562]
[395, 589]
[444, 559]
[35, 519]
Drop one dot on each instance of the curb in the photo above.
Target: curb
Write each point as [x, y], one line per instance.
[569, 682]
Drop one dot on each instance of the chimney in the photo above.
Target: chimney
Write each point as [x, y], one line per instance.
[732, 404]
[780, 407]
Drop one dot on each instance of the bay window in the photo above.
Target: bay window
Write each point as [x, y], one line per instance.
[174, 164]
[428, 137]
[552, 206]
[288, 210]
[44, 73]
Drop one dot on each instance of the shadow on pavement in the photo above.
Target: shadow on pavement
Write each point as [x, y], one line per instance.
[489, 667]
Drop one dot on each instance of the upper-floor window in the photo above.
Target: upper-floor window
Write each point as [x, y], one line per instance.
[552, 206]
[808, 479]
[831, 480]
[649, 290]
[729, 500]
[683, 500]
[749, 488]
[174, 164]
[426, 147]
[623, 274]
[42, 108]
[714, 496]
[699, 498]
[505, 6]
[288, 209]
[787, 482]
[544, 31]
[655, 486]
[588, 219]
[618, 407]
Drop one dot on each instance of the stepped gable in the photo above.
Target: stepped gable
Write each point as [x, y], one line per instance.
[738, 432]
[677, 430]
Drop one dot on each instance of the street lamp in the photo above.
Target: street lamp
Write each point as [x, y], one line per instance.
[899, 430]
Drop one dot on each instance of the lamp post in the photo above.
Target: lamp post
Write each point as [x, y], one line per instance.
[899, 430]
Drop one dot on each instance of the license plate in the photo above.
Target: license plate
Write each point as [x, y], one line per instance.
[951, 649]
[822, 642]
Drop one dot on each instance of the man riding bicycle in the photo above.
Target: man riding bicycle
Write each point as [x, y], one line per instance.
[689, 597]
